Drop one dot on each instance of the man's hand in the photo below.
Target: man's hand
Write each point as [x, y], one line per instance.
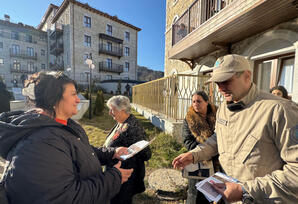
[125, 173]
[120, 151]
[230, 191]
[182, 160]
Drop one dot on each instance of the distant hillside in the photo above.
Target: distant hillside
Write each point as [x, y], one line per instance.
[146, 74]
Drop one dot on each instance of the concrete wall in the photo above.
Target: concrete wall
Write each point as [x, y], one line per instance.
[169, 126]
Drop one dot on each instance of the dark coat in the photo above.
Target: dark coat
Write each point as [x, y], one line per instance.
[55, 164]
[132, 134]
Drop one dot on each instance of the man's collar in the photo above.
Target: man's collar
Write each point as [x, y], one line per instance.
[251, 95]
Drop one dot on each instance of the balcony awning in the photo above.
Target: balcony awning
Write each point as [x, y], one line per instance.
[235, 22]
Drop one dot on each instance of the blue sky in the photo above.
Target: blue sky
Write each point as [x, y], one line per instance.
[149, 15]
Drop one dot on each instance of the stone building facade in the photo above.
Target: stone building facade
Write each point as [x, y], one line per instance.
[264, 32]
[23, 51]
[78, 31]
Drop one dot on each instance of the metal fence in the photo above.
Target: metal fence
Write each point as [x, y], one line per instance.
[171, 96]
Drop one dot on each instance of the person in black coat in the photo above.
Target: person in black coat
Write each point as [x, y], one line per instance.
[126, 132]
[50, 158]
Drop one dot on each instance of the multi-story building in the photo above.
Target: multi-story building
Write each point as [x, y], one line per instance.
[266, 32]
[77, 31]
[23, 51]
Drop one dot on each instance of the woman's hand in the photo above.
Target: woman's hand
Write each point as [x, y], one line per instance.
[182, 160]
[125, 173]
[120, 151]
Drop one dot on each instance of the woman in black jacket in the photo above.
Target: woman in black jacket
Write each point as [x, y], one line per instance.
[51, 160]
[126, 132]
[198, 125]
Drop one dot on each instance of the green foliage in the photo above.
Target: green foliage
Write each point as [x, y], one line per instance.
[99, 103]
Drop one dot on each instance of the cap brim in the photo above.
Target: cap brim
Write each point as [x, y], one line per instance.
[220, 77]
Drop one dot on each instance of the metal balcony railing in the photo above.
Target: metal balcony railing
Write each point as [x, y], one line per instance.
[110, 50]
[57, 66]
[23, 54]
[56, 48]
[110, 67]
[198, 13]
[22, 69]
[171, 96]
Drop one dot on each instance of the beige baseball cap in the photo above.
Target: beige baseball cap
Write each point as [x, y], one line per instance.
[225, 67]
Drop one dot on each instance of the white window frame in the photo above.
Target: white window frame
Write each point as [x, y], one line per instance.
[87, 21]
[87, 43]
[127, 37]
[126, 51]
[126, 68]
[108, 30]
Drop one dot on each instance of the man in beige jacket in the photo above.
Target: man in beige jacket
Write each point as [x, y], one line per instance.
[256, 137]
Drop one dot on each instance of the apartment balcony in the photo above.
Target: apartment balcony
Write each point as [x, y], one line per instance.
[110, 67]
[110, 50]
[57, 66]
[22, 69]
[57, 31]
[23, 54]
[56, 48]
[210, 24]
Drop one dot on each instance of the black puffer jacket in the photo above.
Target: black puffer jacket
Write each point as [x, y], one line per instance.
[55, 164]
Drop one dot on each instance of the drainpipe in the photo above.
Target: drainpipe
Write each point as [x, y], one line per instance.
[73, 45]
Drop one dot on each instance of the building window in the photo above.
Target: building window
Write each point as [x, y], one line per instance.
[109, 63]
[30, 51]
[286, 76]
[30, 66]
[15, 49]
[127, 78]
[87, 21]
[126, 67]
[43, 66]
[108, 77]
[1, 46]
[278, 70]
[1, 61]
[29, 38]
[127, 36]
[85, 57]
[109, 46]
[16, 65]
[87, 40]
[42, 52]
[109, 29]
[14, 35]
[126, 51]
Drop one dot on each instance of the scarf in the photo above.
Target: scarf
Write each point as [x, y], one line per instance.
[201, 128]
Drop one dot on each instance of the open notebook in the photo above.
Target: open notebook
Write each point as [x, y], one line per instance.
[135, 148]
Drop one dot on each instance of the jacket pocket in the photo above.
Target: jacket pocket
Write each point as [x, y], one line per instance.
[247, 152]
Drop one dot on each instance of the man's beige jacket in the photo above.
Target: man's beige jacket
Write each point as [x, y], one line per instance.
[258, 146]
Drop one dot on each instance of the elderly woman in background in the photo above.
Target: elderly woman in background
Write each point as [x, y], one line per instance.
[126, 132]
[50, 158]
[280, 91]
[198, 126]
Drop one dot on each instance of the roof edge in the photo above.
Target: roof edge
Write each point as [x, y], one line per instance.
[86, 6]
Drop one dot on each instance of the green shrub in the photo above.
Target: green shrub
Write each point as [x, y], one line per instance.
[99, 103]
[5, 98]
